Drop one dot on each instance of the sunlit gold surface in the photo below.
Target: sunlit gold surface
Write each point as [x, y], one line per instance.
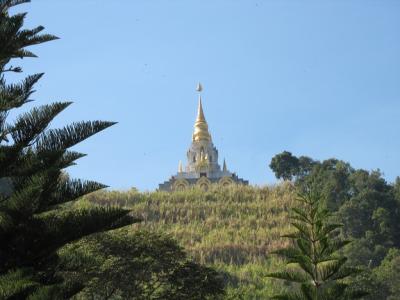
[200, 126]
[202, 165]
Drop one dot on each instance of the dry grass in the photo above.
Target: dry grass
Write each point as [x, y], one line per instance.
[233, 228]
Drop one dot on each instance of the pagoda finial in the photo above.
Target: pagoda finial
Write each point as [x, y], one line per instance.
[200, 113]
[180, 167]
[224, 168]
[199, 87]
[200, 126]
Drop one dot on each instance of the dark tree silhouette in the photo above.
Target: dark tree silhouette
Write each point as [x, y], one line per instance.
[34, 222]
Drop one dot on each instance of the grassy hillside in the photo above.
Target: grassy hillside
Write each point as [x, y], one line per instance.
[232, 228]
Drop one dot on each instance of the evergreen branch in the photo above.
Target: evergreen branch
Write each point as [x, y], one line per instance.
[303, 230]
[13, 40]
[28, 32]
[345, 272]
[304, 198]
[21, 162]
[330, 227]
[323, 214]
[31, 124]
[314, 251]
[72, 189]
[30, 166]
[16, 284]
[61, 139]
[327, 259]
[288, 253]
[307, 290]
[301, 200]
[34, 162]
[334, 246]
[57, 291]
[293, 236]
[6, 4]
[25, 201]
[16, 95]
[21, 53]
[62, 228]
[6, 222]
[298, 218]
[306, 264]
[305, 246]
[68, 158]
[13, 69]
[300, 215]
[289, 276]
[331, 268]
[323, 246]
[314, 210]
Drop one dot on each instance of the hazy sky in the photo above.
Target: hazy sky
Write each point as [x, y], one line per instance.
[317, 78]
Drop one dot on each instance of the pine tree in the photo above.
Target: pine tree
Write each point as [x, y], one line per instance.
[35, 220]
[313, 259]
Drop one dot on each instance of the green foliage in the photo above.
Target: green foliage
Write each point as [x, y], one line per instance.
[388, 273]
[18, 282]
[132, 264]
[365, 203]
[397, 189]
[382, 282]
[232, 229]
[313, 257]
[14, 40]
[369, 208]
[235, 229]
[331, 177]
[285, 165]
[34, 219]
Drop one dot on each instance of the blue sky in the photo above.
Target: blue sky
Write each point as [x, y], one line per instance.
[317, 78]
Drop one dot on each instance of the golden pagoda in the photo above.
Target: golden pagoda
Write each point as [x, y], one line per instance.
[202, 167]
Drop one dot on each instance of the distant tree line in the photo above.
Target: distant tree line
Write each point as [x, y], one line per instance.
[368, 207]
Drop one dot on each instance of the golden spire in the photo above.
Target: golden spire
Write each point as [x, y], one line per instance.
[200, 126]
[180, 167]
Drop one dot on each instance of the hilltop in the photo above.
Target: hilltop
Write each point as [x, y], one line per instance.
[231, 228]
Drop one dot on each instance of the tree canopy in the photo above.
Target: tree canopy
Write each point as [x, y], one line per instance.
[285, 165]
[134, 264]
[369, 208]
